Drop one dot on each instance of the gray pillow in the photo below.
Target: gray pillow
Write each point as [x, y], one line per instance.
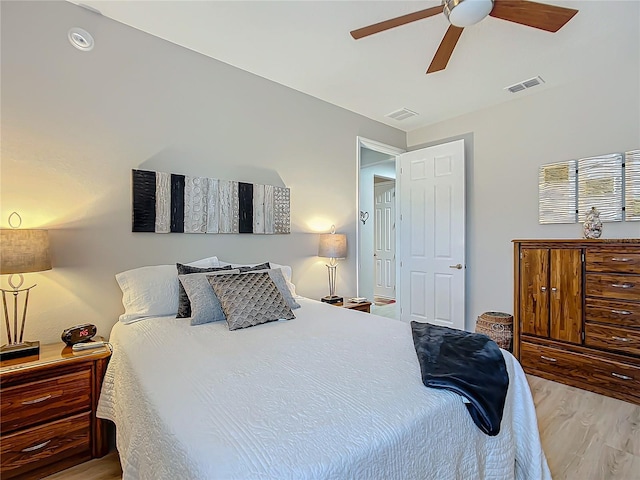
[184, 305]
[278, 278]
[205, 306]
[247, 268]
[249, 299]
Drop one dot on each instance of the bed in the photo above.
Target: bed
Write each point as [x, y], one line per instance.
[331, 394]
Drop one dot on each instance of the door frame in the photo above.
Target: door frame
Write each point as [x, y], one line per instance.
[376, 146]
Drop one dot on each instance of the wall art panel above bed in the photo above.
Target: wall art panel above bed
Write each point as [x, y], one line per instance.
[172, 203]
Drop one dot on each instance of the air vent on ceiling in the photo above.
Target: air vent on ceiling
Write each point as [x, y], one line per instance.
[518, 87]
[401, 114]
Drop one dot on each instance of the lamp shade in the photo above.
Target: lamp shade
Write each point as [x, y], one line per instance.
[24, 251]
[332, 245]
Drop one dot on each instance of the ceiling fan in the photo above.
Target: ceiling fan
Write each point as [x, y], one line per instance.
[463, 13]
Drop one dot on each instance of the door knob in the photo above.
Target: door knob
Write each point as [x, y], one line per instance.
[457, 266]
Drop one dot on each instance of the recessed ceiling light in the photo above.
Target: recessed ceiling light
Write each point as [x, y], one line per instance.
[81, 39]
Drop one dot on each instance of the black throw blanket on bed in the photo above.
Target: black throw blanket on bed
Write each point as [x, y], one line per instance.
[469, 364]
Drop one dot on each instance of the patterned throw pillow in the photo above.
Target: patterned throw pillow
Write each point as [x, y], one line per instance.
[249, 299]
[278, 278]
[184, 305]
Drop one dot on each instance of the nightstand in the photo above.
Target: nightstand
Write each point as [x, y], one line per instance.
[47, 419]
[362, 306]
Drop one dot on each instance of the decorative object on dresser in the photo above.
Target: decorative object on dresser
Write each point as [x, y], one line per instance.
[577, 313]
[48, 419]
[592, 227]
[332, 246]
[23, 251]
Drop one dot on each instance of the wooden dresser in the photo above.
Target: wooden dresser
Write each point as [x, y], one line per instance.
[48, 420]
[577, 313]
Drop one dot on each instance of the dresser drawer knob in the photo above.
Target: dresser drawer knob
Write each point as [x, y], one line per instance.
[622, 285]
[621, 312]
[548, 358]
[623, 377]
[37, 400]
[620, 259]
[621, 339]
[36, 447]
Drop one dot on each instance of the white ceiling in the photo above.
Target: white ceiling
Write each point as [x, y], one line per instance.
[306, 45]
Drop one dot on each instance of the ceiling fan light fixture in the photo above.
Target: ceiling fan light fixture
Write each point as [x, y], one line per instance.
[463, 13]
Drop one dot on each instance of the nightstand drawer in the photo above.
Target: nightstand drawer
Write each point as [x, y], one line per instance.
[40, 446]
[44, 400]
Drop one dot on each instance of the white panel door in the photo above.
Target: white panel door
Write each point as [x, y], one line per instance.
[384, 240]
[432, 235]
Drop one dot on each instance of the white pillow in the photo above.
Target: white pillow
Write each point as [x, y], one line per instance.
[286, 272]
[152, 291]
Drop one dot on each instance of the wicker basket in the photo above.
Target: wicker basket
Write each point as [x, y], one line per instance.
[498, 326]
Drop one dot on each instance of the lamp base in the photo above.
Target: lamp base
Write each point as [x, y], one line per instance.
[332, 299]
[18, 350]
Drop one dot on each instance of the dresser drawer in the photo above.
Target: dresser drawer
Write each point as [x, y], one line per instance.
[612, 260]
[624, 314]
[582, 370]
[622, 287]
[40, 401]
[39, 446]
[616, 339]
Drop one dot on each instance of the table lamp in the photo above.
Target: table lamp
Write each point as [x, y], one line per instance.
[333, 246]
[22, 251]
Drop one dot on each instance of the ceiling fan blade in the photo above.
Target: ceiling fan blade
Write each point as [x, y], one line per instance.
[532, 14]
[396, 22]
[448, 43]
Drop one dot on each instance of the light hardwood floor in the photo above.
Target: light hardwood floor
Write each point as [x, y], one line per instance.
[585, 436]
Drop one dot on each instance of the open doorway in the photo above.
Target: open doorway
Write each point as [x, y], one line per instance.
[377, 271]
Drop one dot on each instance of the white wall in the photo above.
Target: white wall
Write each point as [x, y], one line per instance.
[601, 114]
[366, 278]
[74, 124]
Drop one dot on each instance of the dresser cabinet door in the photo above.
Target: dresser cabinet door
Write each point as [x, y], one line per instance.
[566, 295]
[534, 294]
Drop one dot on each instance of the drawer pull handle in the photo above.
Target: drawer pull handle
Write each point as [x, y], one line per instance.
[548, 358]
[621, 312]
[543, 289]
[622, 285]
[621, 339]
[623, 377]
[620, 259]
[37, 400]
[36, 447]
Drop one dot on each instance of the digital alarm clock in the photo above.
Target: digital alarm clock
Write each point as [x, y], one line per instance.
[78, 334]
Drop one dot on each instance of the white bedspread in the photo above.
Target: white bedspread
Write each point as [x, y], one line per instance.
[333, 394]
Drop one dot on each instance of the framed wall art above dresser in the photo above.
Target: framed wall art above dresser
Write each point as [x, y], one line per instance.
[577, 313]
